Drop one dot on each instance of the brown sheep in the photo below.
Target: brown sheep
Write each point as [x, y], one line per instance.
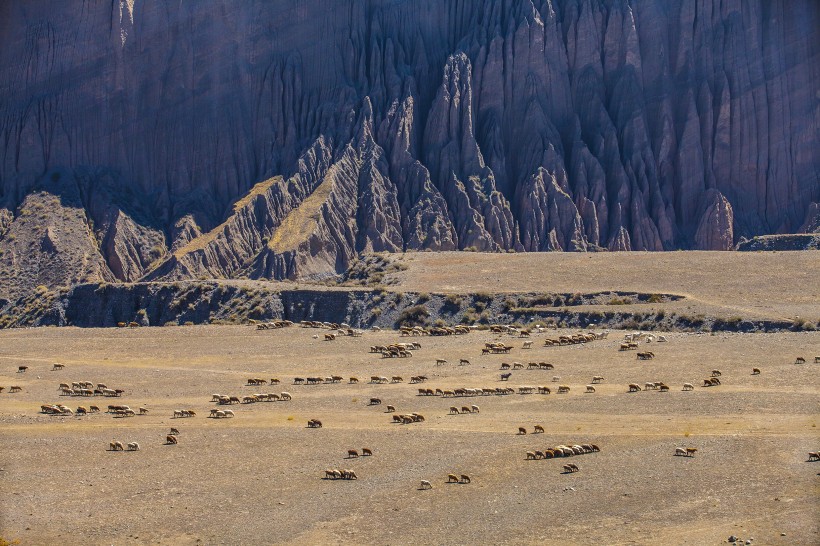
[755, 371]
[538, 429]
[814, 455]
[690, 451]
[174, 431]
[522, 430]
[171, 440]
[352, 454]
[590, 389]
[452, 478]
[634, 387]
[15, 388]
[366, 452]
[464, 479]
[314, 423]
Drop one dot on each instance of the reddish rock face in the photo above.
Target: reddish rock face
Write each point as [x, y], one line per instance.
[532, 126]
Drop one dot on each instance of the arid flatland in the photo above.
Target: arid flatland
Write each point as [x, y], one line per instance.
[257, 478]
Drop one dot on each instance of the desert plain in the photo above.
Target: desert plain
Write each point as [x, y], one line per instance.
[258, 478]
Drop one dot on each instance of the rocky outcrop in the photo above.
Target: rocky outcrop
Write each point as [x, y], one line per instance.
[281, 139]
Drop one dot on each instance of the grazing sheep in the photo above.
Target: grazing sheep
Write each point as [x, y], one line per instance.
[517, 366]
[464, 479]
[352, 454]
[170, 439]
[425, 485]
[716, 373]
[664, 388]
[285, 396]
[452, 478]
[81, 411]
[505, 366]
[814, 455]
[331, 474]
[680, 452]
[527, 345]
[57, 367]
[330, 337]
[690, 451]
[465, 409]
[800, 360]
[590, 388]
[314, 423]
[133, 446]
[353, 380]
[349, 475]
[177, 414]
[598, 379]
[397, 418]
[634, 387]
[688, 387]
[474, 408]
[374, 402]
[571, 468]
[562, 389]
[522, 430]
[440, 361]
[366, 452]
[453, 410]
[538, 429]
[390, 409]
[174, 431]
[531, 455]
[116, 445]
[755, 371]
[143, 411]
[15, 388]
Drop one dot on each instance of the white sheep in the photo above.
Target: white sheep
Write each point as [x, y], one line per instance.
[133, 446]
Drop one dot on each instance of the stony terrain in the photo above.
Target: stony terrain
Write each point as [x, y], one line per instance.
[166, 141]
[257, 478]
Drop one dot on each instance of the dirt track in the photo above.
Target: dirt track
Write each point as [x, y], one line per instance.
[257, 478]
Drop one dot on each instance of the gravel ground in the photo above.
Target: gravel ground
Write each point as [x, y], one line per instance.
[257, 478]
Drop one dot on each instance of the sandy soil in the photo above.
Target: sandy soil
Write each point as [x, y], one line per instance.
[257, 478]
[766, 285]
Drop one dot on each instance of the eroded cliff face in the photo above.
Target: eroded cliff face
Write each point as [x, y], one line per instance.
[281, 138]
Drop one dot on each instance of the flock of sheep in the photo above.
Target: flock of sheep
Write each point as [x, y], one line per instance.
[631, 341]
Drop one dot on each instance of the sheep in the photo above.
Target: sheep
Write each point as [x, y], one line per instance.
[331, 474]
[81, 411]
[538, 429]
[517, 366]
[396, 379]
[353, 380]
[366, 452]
[505, 376]
[800, 360]
[474, 409]
[330, 337]
[177, 414]
[174, 431]
[465, 409]
[556, 378]
[598, 379]
[522, 430]
[688, 387]
[285, 396]
[590, 389]
[390, 409]
[452, 478]
[56, 367]
[464, 479]
[440, 362]
[755, 371]
[527, 345]
[425, 485]
[143, 411]
[531, 455]
[133, 446]
[664, 387]
[374, 402]
[571, 467]
[454, 410]
[716, 373]
[814, 455]
[22, 369]
[690, 451]
[634, 387]
[314, 423]
[463, 362]
[170, 439]
[352, 454]
[563, 389]
[680, 452]
[349, 475]
[116, 445]
[15, 388]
